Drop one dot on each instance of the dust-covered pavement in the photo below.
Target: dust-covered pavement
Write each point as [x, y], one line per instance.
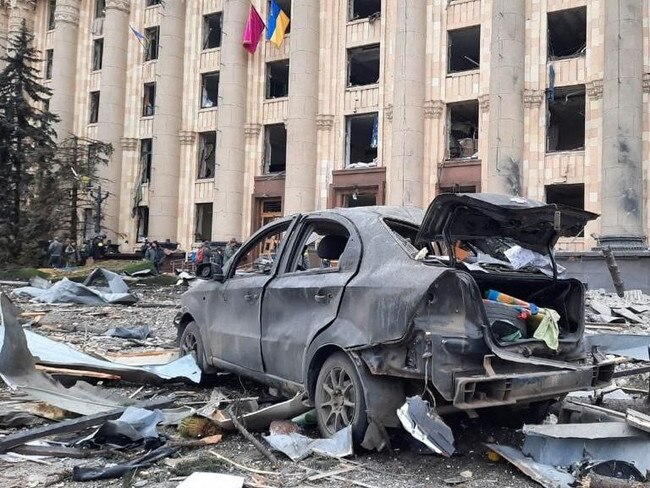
[83, 326]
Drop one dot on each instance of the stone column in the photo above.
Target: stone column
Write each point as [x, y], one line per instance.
[231, 140]
[111, 105]
[64, 67]
[4, 33]
[165, 172]
[20, 10]
[404, 173]
[622, 173]
[506, 100]
[302, 161]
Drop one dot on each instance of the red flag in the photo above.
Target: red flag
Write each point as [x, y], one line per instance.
[253, 31]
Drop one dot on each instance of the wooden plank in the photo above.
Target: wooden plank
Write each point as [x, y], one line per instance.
[73, 425]
[638, 420]
[79, 373]
[54, 451]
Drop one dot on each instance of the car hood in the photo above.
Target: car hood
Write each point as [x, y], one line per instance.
[531, 224]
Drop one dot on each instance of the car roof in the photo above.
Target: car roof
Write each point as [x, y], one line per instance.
[413, 215]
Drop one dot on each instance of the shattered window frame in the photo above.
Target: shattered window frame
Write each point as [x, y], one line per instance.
[153, 43]
[351, 141]
[142, 223]
[455, 149]
[277, 89]
[149, 99]
[146, 160]
[272, 164]
[94, 98]
[209, 95]
[49, 62]
[355, 68]
[203, 222]
[212, 33]
[456, 40]
[304, 253]
[359, 9]
[98, 54]
[267, 244]
[51, 9]
[564, 118]
[207, 155]
[566, 25]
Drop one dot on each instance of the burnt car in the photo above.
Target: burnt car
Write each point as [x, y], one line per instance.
[363, 307]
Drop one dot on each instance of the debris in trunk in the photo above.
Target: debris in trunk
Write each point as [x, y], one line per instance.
[425, 425]
[66, 291]
[297, 447]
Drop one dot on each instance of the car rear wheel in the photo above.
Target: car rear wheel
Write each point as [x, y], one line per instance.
[191, 343]
[339, 398]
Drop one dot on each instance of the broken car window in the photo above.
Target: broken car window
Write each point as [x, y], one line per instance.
[322, 247]
[261, 253]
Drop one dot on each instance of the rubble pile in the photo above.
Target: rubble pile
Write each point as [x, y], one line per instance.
[608, 309]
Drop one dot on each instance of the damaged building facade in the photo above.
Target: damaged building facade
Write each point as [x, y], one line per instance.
[365, 102]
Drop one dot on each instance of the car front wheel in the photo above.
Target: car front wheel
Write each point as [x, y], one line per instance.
[191, 343]
[339, 398]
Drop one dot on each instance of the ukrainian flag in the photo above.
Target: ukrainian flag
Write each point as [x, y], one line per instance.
[277, 24]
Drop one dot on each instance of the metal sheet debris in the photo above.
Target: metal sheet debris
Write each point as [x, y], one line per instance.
[66, 291]
[134, 427]
[297, 446]
[201, 480]
[141, 332]
[89, 473]
[53, 353]
[633, 346]
[425, 425]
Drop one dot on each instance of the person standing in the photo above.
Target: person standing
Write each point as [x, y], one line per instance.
[56, 252]
[231, 247]
[155, 255]
[207, 252]
[70, 253]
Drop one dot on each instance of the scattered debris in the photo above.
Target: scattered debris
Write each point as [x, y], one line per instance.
[297, 447]
[141, 332]
[87, 473]
[632, 346]
[201, 480]
[425, 425]
[196, 427]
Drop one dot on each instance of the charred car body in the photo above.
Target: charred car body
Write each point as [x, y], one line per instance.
[363, 307]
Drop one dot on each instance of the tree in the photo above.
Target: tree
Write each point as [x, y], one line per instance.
[27, 153]
[78, 159]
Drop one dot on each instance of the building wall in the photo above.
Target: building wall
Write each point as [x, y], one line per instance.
[535, 167]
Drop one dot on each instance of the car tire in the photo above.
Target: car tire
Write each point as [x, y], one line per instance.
[339, 398]
[191, 342]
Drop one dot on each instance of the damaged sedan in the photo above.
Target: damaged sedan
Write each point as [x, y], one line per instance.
[365, 307]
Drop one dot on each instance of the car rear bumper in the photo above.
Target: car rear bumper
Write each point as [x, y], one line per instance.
[507, 389]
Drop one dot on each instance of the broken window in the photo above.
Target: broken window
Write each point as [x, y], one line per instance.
[146, 158]
[568, 195]
[98, 54]
[357, 199]
[142, 223]
[100, 9]
[462, 130]
[567, 33]
[277, 79]
[458, 189]
[364, 9]
[258, 255]
[565, 117]
[285, 6]
[94, 107]
[207, 146]
[361, 138]
[49, 58]
[149, 100]
[212, 30]
[275, 148]
[363, 65]
[203, 227]
[464, 49]
[151, 3]
[209, 90]
[321, 246]
[50, 14]
[151, 48]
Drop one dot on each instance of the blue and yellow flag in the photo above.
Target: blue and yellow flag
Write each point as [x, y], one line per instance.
[277, 24]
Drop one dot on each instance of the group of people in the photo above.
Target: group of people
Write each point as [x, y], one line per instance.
[62, 254]
[205, 254]
[151, 251]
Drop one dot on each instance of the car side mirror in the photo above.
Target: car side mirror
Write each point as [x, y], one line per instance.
[217, 273]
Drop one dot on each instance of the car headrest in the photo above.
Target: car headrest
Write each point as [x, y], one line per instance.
[331, 247]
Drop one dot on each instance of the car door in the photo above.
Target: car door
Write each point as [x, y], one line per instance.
[305, 295]
[235, 330]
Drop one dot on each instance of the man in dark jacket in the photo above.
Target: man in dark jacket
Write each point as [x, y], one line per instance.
[56, 253]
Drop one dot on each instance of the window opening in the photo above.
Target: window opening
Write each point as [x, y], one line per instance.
[568, 195]
[146, 159]
[151, 48]
[207, 146]
[277, 79]
[203, 225]
[364, 9]
[100, 9]
[275, 148]
[565, 117]
[357, 199]
[149, 100]
[49, 59]
[261, 254]
[462, 130]
[98, 54]
[458, 189]
[151, 3]
[464, 49]
[212, 25]
[567, 33]
[361, 140]
[94, 107]
[322, 246]
[209, 90]
[142, 223]
[50, 15]
[363, 65]
[285, 6]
